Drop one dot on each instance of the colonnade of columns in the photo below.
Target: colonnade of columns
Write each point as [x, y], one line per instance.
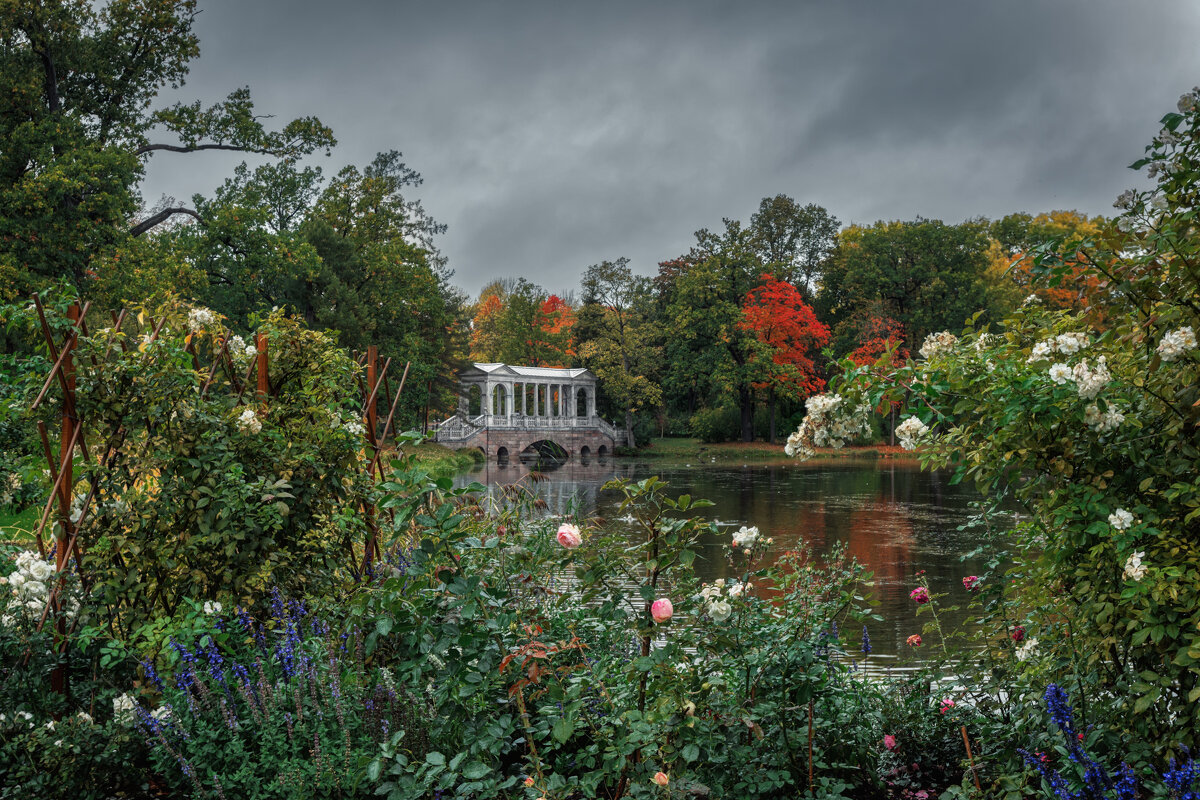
[507, 399]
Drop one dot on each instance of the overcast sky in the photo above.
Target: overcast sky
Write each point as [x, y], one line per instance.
[555, 135]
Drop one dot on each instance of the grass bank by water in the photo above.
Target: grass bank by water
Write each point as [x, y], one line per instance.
[681, 449]
[441, 459]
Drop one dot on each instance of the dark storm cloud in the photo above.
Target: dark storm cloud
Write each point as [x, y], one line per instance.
[555, 135]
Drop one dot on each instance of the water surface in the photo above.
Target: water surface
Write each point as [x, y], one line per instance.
[902, 523]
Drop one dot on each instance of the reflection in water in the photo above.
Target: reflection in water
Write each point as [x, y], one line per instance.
[892, 517]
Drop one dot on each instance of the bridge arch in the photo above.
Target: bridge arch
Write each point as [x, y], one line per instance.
[545, 449]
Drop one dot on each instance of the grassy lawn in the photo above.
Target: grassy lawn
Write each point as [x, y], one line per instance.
[439, 458]
[19, 527]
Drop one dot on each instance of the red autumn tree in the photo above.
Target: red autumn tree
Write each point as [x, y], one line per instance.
[788, 336]
[555, 320]
[879, 335]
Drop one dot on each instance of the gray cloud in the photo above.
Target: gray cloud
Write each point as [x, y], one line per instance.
[555, 135]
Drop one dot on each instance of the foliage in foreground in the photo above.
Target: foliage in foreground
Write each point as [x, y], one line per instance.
[1090, 422]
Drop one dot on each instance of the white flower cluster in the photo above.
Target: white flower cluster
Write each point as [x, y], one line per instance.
[1089, 382]
[1066, 343]
[125, 709]
[1102, 421]
[716, 597]
[986, 340]
[249, 422]
[910, 431]
[745, 537]
[355, 428]
[1121, 520]
[199, 318]
[212, 607]
[1135, 570]
[937, 343]
[1126, 199]
[1031, 300]
[9, 488]
[830, 422]
[18, 716]
[1027, 649]
[29, 589]
[1176, 343]
[1187, 101]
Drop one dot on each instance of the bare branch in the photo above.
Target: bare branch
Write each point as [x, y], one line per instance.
[162, 216]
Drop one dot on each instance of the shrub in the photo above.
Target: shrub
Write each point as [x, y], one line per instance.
[718, 424]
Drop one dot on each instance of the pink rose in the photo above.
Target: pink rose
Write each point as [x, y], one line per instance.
[971, 583]
[661, 778]
[920, 595]
[661, 609]
[914, 640]
[569, 536]
[889, 742]
[947, 704]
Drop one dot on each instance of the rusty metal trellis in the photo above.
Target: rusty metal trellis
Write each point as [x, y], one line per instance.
[72, 520]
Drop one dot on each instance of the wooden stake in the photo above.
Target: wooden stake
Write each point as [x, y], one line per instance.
[971, 758]
[264, 386]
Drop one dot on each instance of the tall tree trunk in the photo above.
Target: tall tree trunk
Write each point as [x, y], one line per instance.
[629, 429]
[772, 415]
[747, 402]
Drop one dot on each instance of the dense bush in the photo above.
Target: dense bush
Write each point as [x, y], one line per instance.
[716, 424]
[1089, 422]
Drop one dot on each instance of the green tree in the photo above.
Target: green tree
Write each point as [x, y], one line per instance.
[621, 345]
[793, 241]
[709, 350]
[925, 274]
[79, 126]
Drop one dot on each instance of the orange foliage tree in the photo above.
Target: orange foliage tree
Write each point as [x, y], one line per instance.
[788, 335]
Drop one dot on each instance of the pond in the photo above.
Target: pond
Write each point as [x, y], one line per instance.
[891, 516]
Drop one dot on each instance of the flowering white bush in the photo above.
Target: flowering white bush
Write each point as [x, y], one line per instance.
[200, 318]
[1091, 382]
[125, 709]
[1102, 422]
[1176, 343]
[910, 431]
[1121, 520]
[249, 422]
[745, 537]
[830, 422]
[1060, 373]
[1135, 570]
[936, 344]
[716, 596]
[355, 428]
[29, 587]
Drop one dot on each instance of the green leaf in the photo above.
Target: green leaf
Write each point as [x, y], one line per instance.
[562, 730]
[691, 752]
[435, 758]
[476, 770]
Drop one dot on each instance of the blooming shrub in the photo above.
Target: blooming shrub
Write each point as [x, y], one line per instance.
[1089, 421]
[199, 499]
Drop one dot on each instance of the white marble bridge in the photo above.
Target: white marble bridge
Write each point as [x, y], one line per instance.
[507, 411]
